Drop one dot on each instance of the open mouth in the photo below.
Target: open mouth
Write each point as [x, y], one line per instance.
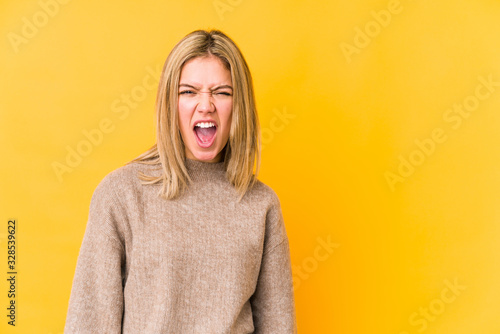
[205, 133]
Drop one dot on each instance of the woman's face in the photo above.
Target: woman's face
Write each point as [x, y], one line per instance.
[205, 107]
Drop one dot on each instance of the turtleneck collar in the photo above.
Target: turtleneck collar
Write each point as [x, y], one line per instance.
[202, 170]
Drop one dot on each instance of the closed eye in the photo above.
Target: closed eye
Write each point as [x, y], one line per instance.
[223, 93]
[190, 92]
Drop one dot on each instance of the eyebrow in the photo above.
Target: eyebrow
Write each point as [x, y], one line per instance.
[215, 88]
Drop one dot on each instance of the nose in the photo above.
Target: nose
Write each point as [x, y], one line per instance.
[205, 102]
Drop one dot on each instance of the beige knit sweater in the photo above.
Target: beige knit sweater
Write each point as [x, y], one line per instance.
[201, 263]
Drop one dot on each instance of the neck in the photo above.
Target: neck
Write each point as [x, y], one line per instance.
[202, 170]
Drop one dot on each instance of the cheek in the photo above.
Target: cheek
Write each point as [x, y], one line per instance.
[226, 118]
[184, 114]
[183, 107]
[225, 110]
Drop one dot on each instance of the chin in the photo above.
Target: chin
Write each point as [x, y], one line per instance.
[205, 156]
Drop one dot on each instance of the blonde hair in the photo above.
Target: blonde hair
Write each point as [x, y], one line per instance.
[242, 151]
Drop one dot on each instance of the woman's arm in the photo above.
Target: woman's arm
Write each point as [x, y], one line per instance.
[273, 305]
[96, 301]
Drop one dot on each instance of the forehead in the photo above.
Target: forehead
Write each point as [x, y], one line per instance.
[208, 70]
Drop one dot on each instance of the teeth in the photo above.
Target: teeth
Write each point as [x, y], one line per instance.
[205, 124]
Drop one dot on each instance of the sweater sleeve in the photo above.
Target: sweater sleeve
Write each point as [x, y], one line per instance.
[273, 305]
[96, 300]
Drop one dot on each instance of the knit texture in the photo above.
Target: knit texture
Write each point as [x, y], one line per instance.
[201, 263]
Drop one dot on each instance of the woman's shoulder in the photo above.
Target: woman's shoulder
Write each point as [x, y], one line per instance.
[124, 178]
[269, 200]
[261, 191]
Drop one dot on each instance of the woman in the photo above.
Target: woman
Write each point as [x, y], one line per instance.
[185, 238]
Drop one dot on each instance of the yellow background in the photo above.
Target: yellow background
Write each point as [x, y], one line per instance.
[350, 119]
